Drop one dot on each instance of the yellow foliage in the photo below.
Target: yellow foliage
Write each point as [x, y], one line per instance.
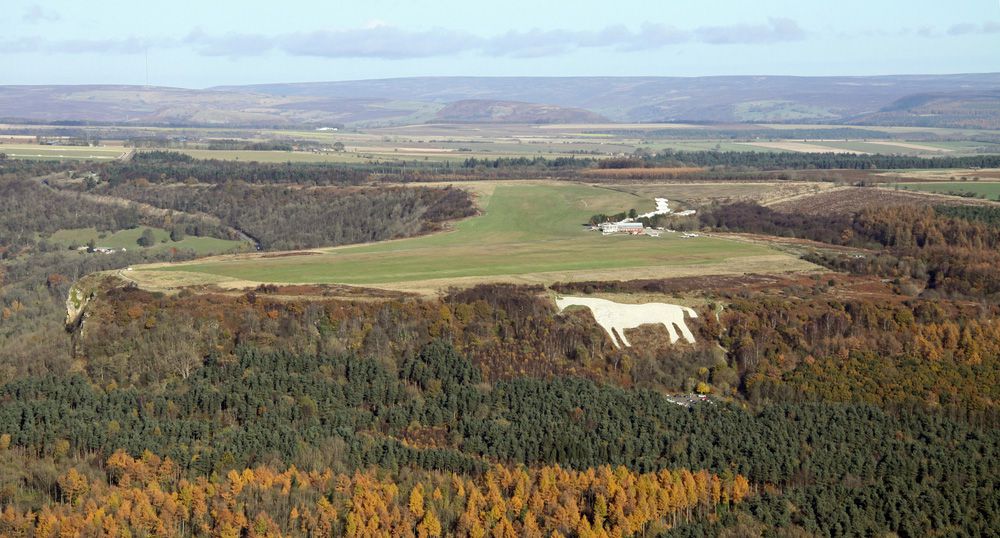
[145, 496]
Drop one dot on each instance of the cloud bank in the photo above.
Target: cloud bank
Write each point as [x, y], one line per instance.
[378, 40]
[383, 41]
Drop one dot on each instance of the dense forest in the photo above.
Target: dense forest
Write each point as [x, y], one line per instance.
[158, 166]
[434, 413]
[791, 341]
[989, 215]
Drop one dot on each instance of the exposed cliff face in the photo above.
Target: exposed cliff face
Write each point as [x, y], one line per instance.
[76, 303]
[80, 295]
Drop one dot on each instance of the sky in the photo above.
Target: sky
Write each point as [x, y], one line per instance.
[204, 43]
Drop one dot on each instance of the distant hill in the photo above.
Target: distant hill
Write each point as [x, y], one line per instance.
[647, 99]
[970, 109]
[145, 105]
[489, 111]
[968, 100]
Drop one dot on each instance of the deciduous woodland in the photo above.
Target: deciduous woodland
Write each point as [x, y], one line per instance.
[860, 398]
[283, 218]
[946, 253]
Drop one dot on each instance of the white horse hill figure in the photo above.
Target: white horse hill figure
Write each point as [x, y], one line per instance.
[611, 315]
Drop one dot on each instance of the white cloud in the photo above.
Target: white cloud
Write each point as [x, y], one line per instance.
[776, 30]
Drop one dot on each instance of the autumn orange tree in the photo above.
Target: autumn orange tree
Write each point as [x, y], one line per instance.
[146, 496]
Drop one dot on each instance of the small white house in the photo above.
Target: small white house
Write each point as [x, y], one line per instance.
[621, 227]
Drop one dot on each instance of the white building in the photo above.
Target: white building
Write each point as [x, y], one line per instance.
[621, 227]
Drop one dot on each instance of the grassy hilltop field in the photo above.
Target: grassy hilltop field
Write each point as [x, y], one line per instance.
[528, 232]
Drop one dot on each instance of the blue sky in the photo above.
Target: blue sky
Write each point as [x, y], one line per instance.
[214, 42]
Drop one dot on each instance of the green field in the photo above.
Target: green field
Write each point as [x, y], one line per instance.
[704, 145]
[966, 146]
[885, 146]
[80, 153]
[127, 239]
[982, 189]
[529, 232]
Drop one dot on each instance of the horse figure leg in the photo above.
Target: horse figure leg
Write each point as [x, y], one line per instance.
[621, 334]
[671, 330]
[683, 324]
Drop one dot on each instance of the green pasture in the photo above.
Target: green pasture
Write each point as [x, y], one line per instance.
[526, 229]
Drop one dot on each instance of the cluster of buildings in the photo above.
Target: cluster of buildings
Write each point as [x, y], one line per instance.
[626, 226]
[633, 226]
[103, 250]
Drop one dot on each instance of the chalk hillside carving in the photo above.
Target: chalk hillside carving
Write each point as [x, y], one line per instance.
[617, 316]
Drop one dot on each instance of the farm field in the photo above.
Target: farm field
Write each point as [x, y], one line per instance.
[905, 147]
[794, 145]
[887, 146]
[704, 145]
[82, 153]
[703, 193]
[848, 200]
[203, 246]
[900, 130]
[965, 146]
[982, 189]
[273, 156]
[453, 143]
[528, 233]
[943, 174]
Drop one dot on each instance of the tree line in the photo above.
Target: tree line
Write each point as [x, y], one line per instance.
[172, 167]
